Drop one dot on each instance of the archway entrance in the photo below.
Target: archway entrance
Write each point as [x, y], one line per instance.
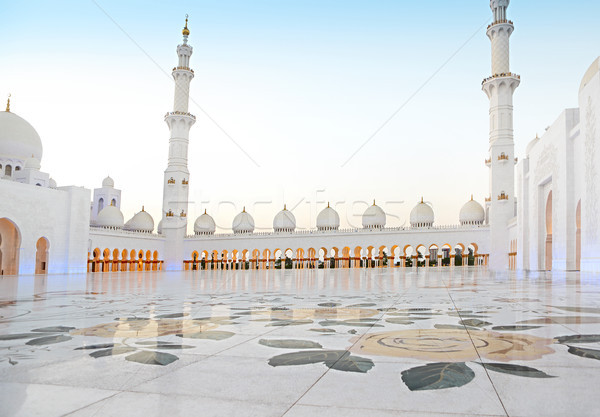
[10, 243]
[578, 237]
[41, 256]
[548, 265]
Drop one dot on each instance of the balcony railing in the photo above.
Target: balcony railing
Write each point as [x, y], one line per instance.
[501, 75]
[183, 68]
[499, 22]
[180, 113]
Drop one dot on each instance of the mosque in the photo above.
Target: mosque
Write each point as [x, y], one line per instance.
[543, 219]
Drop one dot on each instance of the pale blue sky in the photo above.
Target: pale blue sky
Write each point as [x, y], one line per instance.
[299, 85]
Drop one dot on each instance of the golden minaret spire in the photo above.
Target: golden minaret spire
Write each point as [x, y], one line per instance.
[8, 104]
[186, 31]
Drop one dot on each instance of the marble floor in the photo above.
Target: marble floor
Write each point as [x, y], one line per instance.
[337, 342]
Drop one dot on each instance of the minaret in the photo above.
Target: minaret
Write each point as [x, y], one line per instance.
[175, 191]
[500, 88]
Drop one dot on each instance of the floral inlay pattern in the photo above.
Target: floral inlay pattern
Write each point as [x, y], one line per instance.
[453, 345]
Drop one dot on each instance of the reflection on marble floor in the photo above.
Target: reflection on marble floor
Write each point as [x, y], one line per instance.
[301, 342]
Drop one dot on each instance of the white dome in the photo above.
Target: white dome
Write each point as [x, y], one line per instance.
[32, 163]
[159, 227]
[374, 217]
[328, 219]
[110, 217]
[243, 223]
[472, 213]
[284, 221]
[18, 139]
[421, 215]
[591, 72]
[52, 183]
[204, 225]
[141, 222]
[108, 182]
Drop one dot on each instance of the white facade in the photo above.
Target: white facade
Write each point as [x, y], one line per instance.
[559, 196]
[58, 216]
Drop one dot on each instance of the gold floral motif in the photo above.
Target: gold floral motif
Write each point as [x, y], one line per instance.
[146, 328]
[453, 345]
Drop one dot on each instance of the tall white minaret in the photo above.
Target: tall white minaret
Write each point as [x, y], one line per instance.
[499, 89]
[175, 191]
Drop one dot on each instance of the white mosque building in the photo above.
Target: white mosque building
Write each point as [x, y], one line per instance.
[543, 219]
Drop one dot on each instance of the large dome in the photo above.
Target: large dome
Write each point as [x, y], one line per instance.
[284, 221]
[243, 223]
[471, 213]
[18, 139]
[204, 225]
[328, 219]
[110, 217]
[591, 72]
[421, 215]
[141, 222]
[374, 217]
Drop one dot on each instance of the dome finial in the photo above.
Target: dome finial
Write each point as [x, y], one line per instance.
[8, 103]
[244, 210]
[328, 204]
[204, 211]
[284, 206]
[186, 31]
[471, 197]
[142, 208]
[373, 201]
[421, 199]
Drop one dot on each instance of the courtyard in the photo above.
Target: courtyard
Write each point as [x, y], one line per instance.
[303, 342]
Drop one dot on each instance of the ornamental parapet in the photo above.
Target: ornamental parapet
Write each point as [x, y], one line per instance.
[180, 113]
[502, 196]
[315, 232]
[503, 157]
[501, 75]
[103, 230]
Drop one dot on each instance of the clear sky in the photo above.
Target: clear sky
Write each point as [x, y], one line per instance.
[298, 87]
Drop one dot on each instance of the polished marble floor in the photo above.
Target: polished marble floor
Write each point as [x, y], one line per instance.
[377, 342]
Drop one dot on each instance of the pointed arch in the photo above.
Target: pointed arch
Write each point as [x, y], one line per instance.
[41, 256]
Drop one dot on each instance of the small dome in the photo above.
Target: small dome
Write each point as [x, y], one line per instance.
[52, 183]
[204, 225]
[243, 223]
[159, 227]
[18, 139]
[284, 221]
[110, 217]
[421, 215]
[32, 163]
[108, 182]
[141, 222]
[374, 217]
[328, 219]
[472, 213]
